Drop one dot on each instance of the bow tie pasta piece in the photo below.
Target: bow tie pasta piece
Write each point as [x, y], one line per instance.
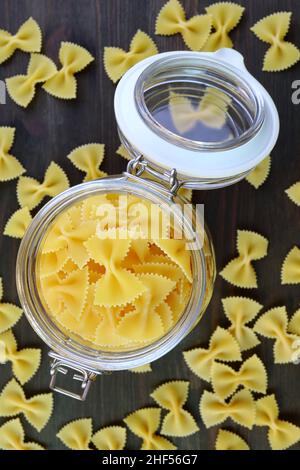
[142, 369]
[9, 314]
[294, 323]
[179, 254]
[251, 247]
[290, 271]
[272, 29]
[18, 223]
[144, 423]
[241, 409]
[145, 323]
[37, 410]
[227, 440]
[293, 192]
[12, 437]
[54, 262]
[117, 286]
[25, 362]
[117, 61]
[10, 167]
[21, 88]
[274, 325]
[252, 376]
[225, 17]
[27, 39]
[88, 159]
[172, 20]
[258, 176]
[281, 434]
[110, 438]
[30, 192]
[172, 396]
[69, 293]
[240, 311]
[73, 58]
[222, 346]
[77, 435]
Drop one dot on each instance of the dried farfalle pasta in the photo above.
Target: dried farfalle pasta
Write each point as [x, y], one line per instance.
[77, 435]
[172, 396]
[142, 369]
[294, 323]
[176, 250]
[30, 192]
[252, 375]
[272, 29]
[241, 409]
[88, 159]
[27, 39]
[117, 61]
[251, 247]
[37, 410]
[144, 423]
[172, 20]
[25, 362]
[293, 192]
[73, 58]
[10, 167]
[18, 223]
[123, 152]
[227, 440]
[274, 325]
[12, 437]
[260, 173]
[110, 438]
[240, 311]
[281, 434]
[225, 17]
[290, 271]
[21, 88]
[9, 314]
[222, 346]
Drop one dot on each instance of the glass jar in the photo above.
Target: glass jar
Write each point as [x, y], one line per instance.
[214, 144]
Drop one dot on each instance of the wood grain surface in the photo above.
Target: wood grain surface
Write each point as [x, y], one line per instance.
[50, 128]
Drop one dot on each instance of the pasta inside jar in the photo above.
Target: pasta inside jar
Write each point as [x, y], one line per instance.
[115, 270]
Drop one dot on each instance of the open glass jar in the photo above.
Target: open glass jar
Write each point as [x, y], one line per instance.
[188, 120]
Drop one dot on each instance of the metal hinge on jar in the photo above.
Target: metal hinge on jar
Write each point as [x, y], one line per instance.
[60, 365]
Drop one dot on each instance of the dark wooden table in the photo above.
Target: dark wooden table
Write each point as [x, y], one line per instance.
[49, 129]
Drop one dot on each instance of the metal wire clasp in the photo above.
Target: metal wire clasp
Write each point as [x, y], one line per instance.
[62, 366]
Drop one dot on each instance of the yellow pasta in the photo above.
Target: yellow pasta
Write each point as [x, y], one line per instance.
[88, 159]
[10, 167]
[37, 410]
[225, 17]
[251, 375]
[30, 192]
[240, 311]
[73, 58]
[18, 223]
[241, 409]
[12, 437]
[290, 271]
[110, 438]
[274, 325]
[144, 423]
[25, 362]
[251, 247]
[172, 20]
[21, 88]
[117, 61]
[281, 434]
[272, 29]
[294, 324]
[142, 369]
[222, 346]
[172, 396]
[293, 192]
[27, 39]
[9, 314]
[176, 250]
[77, 435]
[260, 173]
[227, 440]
